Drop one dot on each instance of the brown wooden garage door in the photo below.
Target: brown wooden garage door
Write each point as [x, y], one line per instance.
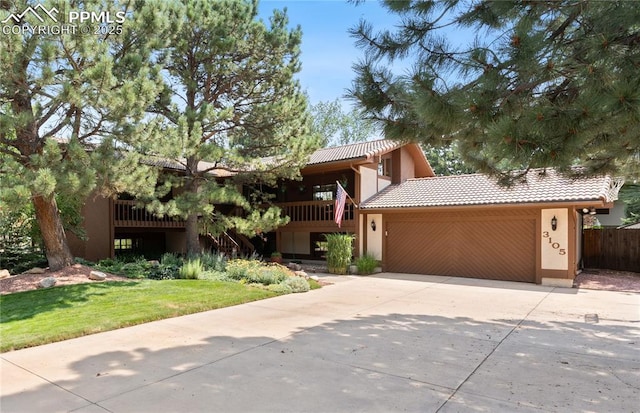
[499, 248]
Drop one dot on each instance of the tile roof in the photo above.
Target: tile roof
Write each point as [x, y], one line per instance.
[477, 189]
[179, 166]
[362, 150]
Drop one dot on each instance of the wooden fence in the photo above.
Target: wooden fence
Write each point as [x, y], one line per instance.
[613, 249]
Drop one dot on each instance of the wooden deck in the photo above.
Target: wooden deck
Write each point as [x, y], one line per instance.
[128, 214]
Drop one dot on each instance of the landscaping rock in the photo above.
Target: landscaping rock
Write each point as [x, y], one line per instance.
[35, 270]
[4, 274]
[315, 278]
[47, 282]
[154, 263]
[97, 276]
[294, 266]
[301, 274]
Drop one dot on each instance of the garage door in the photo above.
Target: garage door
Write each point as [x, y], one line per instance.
[499, 248]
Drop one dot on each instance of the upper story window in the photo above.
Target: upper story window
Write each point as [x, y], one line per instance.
[384, 167]
[324, 192]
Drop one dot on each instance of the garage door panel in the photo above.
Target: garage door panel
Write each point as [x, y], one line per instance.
[502, 249]
[496, 250]
[419, 247]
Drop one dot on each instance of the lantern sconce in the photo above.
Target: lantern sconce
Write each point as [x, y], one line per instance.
[554, 223]
[373, 225]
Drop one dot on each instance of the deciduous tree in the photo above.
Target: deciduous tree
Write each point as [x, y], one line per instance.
[337, 127]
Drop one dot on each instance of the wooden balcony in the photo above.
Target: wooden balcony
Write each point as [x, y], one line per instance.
[317, 214]
[128, 214]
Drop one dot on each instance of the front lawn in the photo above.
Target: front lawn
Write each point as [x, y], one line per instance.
[38, 317]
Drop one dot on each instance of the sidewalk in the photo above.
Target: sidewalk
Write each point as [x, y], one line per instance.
[387, 343]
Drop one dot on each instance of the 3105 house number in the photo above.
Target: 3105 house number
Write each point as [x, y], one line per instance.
[554, 245]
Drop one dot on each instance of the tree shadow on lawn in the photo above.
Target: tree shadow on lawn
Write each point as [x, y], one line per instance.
[27, 304]
[390, 362]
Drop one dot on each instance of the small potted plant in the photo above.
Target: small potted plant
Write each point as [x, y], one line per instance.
[276, 257]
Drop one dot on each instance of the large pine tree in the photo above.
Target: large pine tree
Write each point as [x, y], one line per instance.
[537, 84]
[66, 101]
[234, 115]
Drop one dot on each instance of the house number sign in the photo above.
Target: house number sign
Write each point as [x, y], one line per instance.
[554, 245]
[554, 239]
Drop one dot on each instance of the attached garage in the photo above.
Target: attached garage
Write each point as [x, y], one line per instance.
[469, 226]
[468, 245]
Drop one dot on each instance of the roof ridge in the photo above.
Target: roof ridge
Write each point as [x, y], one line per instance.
[353, 144]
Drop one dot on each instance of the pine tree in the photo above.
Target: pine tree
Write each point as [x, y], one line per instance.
[234, 116]
[67, 100]
[538, 84]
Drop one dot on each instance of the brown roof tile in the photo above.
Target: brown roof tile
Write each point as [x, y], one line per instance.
[362, 150]
[477, 189]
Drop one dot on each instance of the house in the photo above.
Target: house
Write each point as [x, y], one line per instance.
[469, 226]
[401, 213]
[363, 169]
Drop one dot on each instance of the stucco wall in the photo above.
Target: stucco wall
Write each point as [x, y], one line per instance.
[368, 182]
[374, 238]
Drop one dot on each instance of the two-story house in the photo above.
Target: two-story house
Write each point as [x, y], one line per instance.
[405, 216]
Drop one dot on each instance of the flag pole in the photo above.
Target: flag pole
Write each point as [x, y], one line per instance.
[348, 196]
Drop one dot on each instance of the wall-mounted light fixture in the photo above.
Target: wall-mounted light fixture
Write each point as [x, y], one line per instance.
[592, 211]
[373, 225]
[554, 223]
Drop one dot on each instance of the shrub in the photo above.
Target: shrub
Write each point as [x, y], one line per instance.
[213, 262]
[18, 260]
[280, 288]
[297, 284]
[170, 259]
[366, 264]
[251, 271]
[339, 251]
[137, 269]
[191, 269]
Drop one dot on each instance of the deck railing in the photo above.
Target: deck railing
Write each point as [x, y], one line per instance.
[316, 211]
[128, 214]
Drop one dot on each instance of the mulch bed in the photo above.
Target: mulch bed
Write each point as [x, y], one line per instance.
[610, 280]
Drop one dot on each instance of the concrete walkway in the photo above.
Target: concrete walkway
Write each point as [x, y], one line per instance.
[364, 344]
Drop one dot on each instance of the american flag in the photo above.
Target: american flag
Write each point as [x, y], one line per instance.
[341, 199]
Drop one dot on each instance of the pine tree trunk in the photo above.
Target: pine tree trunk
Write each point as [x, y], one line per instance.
[55, 240]
[193, 235]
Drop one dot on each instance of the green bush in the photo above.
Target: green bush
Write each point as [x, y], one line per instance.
[138, 269]
[339, 251]
[251, 271]
[18, 260]
[297, 284]
[170, 259]
[191, 269]
[213, 262]
[163, 272]
[366, 264]
[129, 266]
[280, 288]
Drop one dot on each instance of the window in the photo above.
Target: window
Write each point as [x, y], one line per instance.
[324, 192]
[384, 167]
[123, 244]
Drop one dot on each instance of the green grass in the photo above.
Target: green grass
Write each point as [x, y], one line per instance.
[38, 317]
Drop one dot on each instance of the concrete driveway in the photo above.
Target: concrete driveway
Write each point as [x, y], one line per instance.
[387, 343]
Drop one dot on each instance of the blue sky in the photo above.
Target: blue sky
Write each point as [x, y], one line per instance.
[328, 52]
